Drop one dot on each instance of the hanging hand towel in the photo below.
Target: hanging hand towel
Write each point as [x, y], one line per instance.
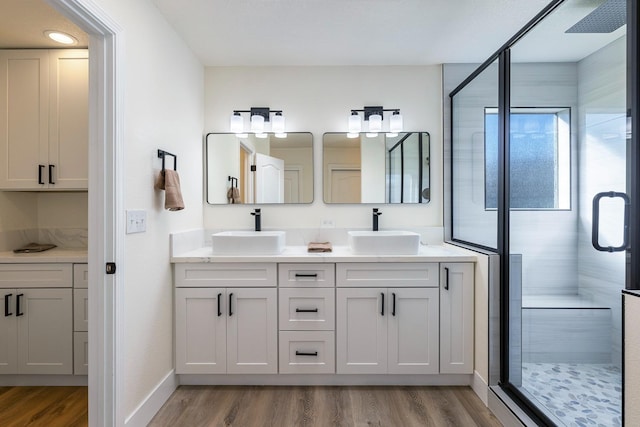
[172, 193]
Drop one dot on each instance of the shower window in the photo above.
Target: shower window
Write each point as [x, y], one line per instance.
[540, 158]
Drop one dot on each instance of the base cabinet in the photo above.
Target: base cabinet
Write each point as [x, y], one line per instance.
[392, 330]
[456, 318]
[36, 331]
[226, 330]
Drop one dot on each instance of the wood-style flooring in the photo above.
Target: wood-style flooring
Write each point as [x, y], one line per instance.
[271, 406]
[44, 406]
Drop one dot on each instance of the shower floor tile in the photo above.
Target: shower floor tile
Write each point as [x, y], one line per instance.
[578, 395]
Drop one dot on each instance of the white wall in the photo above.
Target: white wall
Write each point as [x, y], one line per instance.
[318, 100]
[163, 102]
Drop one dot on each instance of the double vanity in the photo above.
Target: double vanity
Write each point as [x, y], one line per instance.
[251, 302]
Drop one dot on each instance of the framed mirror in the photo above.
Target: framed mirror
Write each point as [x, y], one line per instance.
[376, 169]
[253, 170]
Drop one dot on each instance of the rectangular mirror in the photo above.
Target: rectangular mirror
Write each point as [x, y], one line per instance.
[253, 170]
[376, 169]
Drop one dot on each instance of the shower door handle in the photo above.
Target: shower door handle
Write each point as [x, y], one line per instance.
[596, 222]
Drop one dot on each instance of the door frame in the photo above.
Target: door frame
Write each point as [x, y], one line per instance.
[106, 228]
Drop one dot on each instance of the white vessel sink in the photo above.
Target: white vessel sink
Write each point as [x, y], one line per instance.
[384, 242]
[248, 242]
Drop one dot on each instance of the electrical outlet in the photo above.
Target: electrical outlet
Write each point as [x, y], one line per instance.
[136, 221]
[327, 223]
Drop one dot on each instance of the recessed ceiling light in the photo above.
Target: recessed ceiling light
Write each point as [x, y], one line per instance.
[62, 38]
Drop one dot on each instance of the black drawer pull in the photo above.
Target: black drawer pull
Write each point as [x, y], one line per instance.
[40, 167]
[382, 310]
[393, 307]
[306, 274]
[18, 311]
[51, 181]
[306, 310]
[7, 304]
[446, 279]
[230, 300]
[219, 311]
[304, 353]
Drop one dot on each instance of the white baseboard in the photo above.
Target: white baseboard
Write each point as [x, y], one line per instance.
[143, 414]
[480, 387]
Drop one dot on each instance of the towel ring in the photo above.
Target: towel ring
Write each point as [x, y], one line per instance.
[234, 181]
[162, 154]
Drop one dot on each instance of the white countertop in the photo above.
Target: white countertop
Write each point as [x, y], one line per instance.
[55, 255]
[427, 253]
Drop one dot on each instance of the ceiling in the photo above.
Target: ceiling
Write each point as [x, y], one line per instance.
[339, 32]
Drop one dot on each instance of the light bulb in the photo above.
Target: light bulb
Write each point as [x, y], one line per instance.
[355, 126]
[277, 123]
[375, 123]
[257, 124]
[236, 123]
[395, 123]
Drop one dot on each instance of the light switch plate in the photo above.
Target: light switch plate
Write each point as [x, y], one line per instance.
[136, 221]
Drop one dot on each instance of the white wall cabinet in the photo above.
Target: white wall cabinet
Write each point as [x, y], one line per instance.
[36, 331]
[456, 318]
[44, 125]
[392, 330]
[226, 330]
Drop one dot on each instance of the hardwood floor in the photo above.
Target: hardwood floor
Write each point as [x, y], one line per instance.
[44, 406]
[249, 406]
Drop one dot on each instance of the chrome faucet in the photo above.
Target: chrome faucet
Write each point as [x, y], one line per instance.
[375, 218]
[256, 214]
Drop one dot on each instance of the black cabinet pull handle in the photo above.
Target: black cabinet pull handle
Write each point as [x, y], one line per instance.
[446, 278]
[306, 274]
[230, 300]
[306, 310]
[219, 311]
[40, 167]
[304, 353]
[7, 304]
[393, 307]
[18, 311]
[382, 310]
[51, 174]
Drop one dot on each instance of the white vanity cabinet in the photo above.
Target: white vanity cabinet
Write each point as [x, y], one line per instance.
[226, 318]
[306, 318]
[36, 328]
[44, 128]
[456, 317]
[80, 319]
[387, 329]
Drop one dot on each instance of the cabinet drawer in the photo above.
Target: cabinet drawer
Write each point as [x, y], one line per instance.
[307, 352]
[80, 309]
[307, 309]
[306, 275]
[80, 353]
[371, 275]
[36, 275]
[194, 275]
[80, 275]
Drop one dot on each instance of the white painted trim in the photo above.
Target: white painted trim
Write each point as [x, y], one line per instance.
[106, 227]
[43, 380]
[480, 387]
[144, 413]
[325, 379]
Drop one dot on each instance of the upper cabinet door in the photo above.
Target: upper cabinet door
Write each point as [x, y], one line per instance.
[67, 167]
[24, 118]
[44, 122]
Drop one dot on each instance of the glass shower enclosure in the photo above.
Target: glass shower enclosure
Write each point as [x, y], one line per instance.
[539, 174]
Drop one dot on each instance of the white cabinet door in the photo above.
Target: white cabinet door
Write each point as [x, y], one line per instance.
[68, 119]
[252, 335]
[45, 331]
[8, 333]
[361, 331]
[456, 318]
[24, 118]
[413, 330]
[201, 331]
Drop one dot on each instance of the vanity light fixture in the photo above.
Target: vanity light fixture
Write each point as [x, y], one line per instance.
[258, 117]
[375, 116]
